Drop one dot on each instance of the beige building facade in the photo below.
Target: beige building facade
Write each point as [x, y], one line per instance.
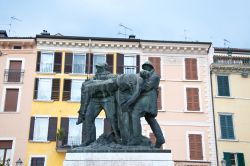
[17, 56]
[231, 96]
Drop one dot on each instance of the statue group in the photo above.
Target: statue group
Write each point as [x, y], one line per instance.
[125, 98]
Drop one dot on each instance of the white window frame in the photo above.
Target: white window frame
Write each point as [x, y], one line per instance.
[130, 55]
[198, 69]
[13, 139]
[71, 90]
[50, 87]
[40, 116]
[185, 99]
[4, 97]
[93, 67]
[74, 117]
[79, 53]
[229, 86]
[188, 148]
[47, 52]
[233, 121]
[36, 156]
[15, 59]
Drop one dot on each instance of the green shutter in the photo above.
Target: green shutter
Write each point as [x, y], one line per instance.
[227, 157]
[240, 159]
[227, 129]
[223, 86]
[230, 128]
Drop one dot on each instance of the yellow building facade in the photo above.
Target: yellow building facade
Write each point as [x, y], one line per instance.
[231, 96]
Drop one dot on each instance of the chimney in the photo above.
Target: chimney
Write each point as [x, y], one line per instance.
[3, 34]
[131, 37]
[45, 33]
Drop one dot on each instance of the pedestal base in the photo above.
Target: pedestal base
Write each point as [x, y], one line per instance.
[159, 158]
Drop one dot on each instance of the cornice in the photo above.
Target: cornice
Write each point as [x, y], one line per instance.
[234, 68]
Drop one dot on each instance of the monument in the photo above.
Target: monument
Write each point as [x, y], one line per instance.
[125, 98]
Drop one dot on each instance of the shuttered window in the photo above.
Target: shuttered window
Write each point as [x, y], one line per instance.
[234, 159]
[156, 62]
[5, 151]
[67, 89]
[193, 99]
[47, 89]
[110, 62]
[195, 147]
[43, 129]
[14, 73]
[65, 128]
[159, 98]
[11, 100]
[227, 128]
[223, 86]
[120, 63]
[37, 161]
[68, 62]
[89, 63]
[48, 62]
[191, 69]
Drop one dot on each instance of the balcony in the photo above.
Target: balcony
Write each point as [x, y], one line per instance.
[127, 69]
[67, 143]
[13, 76]
[191, 163]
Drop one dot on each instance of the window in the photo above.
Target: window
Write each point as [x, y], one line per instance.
[37, 161]
[75, 132]
[195, 147]
[129, 64]
[223, 86]
[76, 90]
[98, 58]
[79, 63]
[156, 62]
[226, 125]
[234, 159]
[14, 73]
[49, 62]
[11, 100]
[47, 89]
[192, 95]
[43, 129]
[15, 47]
[5, 151]
[191, 69]
[72, 90]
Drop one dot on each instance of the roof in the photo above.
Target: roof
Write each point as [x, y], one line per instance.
[116, 39]
[233, 50]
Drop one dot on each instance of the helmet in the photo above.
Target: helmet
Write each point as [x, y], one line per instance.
[102, 65]
[147, 63]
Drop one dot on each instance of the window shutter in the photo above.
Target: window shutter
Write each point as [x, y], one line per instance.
[226, 123]
[223, 126]
[240, 159]
[65, 127]
[5, 144]
[156, 62]
[66, 89]
[195, 147]
[227, 158]
[36, 88]
[32, 123]
[58, 62]
[38, 59]
[110, 61]
[52, 129]
[120, 63]
[230, 127]
[89, 63]
[107, 127]
[11, 100]
[14, 74]
[137, 63]
[192, 99]
[68, 62]
[223, 86]
[159, 104]
[191, 69]
[55, 89]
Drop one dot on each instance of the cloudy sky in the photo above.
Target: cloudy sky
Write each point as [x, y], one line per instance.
[192, 20]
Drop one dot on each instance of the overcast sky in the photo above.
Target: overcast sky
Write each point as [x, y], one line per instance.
[192, 20]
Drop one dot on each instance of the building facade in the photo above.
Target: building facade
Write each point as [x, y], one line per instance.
[231, 96]
[17, 56]
[184, 100]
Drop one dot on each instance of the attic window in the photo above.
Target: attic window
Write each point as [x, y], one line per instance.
[17, 47]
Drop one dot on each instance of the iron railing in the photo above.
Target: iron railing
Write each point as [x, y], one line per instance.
[14, 76]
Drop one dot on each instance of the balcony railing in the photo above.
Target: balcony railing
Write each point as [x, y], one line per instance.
[67, 143]
[127, 69]
[191, 163]
[12, 75]
[232, 61]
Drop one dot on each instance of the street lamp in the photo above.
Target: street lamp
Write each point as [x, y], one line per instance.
[19, 162]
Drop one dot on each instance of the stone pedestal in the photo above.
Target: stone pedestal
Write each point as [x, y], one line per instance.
[126, 158]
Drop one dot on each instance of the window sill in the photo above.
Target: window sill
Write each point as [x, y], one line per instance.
[52, 73]
[73, 101]
[4, 112]
[225, 97]
[47, 101]
[192, 80]
[34, 141]
[77, 74]
[161, 110]
[187, 111]
[228, 140]
[13, 82]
